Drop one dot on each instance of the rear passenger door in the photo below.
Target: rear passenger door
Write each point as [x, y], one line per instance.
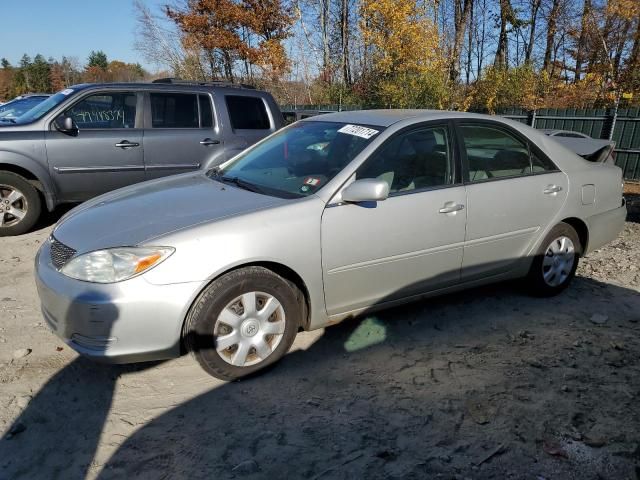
[249, 119]
[513, 192]
[181, 133]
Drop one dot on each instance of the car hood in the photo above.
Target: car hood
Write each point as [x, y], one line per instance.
[139, 213]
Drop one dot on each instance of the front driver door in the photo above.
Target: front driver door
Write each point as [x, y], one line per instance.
[407, 244]
[106, 154]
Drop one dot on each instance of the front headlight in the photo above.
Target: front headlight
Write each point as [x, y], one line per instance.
[115, 264]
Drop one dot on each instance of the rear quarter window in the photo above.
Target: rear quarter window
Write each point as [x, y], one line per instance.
[247, 113]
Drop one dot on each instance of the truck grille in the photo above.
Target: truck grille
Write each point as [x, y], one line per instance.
[60, 253]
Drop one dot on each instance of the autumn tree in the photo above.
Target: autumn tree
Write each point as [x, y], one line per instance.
[407, 65]
[56, 77]
[225, 32]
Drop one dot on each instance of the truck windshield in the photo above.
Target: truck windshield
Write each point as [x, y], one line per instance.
[43, 108]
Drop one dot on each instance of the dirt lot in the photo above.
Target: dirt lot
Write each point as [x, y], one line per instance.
[490, 383]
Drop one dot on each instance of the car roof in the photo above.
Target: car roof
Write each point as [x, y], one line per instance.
[386, 118]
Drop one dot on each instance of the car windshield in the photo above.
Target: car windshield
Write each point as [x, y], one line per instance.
[299, 160]
[42, 108]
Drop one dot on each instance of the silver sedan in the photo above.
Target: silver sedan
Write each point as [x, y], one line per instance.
[329, 218]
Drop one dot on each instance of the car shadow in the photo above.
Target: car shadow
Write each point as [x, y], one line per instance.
[48, 219]
[438, 386]
[67, 414]
[410, 392]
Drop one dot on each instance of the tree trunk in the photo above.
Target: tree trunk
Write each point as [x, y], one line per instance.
[324, 32]
[552, 27]
[503, 47]
[634, 56]
[617, 59]
[344, 37]
[481, 41]
[461, 16]
[535, 6]
[583, 39]
[469, 45]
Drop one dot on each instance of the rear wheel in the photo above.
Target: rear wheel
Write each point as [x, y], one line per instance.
[242, 322]
[556, 262]
[20, 204]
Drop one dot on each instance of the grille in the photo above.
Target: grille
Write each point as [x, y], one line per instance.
[60, 253]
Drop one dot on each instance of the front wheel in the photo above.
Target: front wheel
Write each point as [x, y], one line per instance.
[556, 262]
[19, 204]
[242, 322]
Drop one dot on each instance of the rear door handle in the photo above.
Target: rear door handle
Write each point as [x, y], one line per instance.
[551, 189]
[127, 144]
[207, 141]
[450, 207]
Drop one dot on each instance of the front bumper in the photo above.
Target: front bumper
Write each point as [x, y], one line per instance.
[125, 322]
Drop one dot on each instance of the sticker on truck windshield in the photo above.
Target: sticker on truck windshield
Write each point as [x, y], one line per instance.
[358, 131]
[66, 91]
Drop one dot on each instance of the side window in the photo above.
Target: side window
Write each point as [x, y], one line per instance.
[493, 153]
[540, 163]
[206, 113]
[247, 113]
[174, 110]
[105, 110]
[411, 161]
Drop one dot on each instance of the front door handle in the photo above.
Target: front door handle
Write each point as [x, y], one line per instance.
[551, 189]
[207, 141]
[451, 207]
[127, 144]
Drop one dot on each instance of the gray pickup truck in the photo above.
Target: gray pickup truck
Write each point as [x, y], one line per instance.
[93, 138]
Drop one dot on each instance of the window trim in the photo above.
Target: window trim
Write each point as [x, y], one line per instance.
[454, 157]
[531, 147]
[213, 112]
[138, 122]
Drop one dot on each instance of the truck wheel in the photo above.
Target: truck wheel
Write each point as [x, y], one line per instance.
[20, 204]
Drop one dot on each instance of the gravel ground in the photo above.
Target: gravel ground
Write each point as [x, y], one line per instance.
[489, 383]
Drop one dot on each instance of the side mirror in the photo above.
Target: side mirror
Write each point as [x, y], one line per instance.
[66, 125]
[366, 190]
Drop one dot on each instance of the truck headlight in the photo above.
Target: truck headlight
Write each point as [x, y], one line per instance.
[115, 264]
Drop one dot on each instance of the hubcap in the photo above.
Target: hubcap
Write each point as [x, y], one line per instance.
[249, 329]
[558, 261]
[13, 206]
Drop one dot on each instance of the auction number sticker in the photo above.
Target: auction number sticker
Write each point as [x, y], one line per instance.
[67, 91]
[358, 131]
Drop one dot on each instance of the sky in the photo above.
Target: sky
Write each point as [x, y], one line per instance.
[71, 28]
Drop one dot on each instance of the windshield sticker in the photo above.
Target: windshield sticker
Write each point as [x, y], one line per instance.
[67, 91]
[358, 131]
[312, 181]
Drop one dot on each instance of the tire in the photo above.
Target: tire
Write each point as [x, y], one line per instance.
[229, 351]
[555, 264]
[17, 195]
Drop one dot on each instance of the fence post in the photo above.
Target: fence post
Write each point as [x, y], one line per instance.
[532, 118]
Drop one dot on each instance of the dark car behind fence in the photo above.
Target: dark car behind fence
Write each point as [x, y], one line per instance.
[621, 126]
